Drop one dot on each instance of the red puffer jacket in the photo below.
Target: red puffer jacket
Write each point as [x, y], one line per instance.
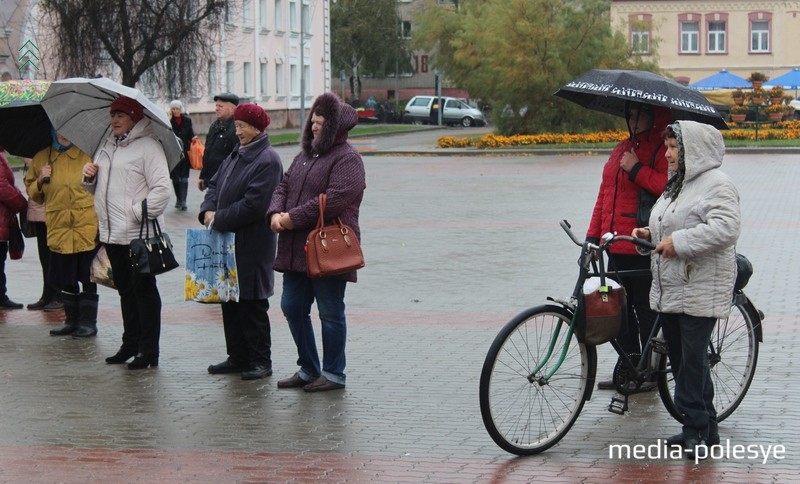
[12, 201]
[618, 199]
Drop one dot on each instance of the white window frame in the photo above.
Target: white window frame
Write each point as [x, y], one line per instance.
[263, 18]
[212, 78]
[759, 38]
[690, 39]
[247, 76]
[279, 15]
[279, 79]
[264, 86]
[230, 76]
[717, 38]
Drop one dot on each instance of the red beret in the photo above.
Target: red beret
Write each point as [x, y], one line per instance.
[252, 114]
[128, 106]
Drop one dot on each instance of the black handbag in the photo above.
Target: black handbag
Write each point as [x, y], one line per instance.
[26, 226]
[646, 201]
[151, 255]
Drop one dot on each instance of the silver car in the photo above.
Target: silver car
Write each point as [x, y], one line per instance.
[456, 111]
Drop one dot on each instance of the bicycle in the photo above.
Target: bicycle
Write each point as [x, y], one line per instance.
[537, 375]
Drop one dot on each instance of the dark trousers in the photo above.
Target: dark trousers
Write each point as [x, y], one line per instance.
[3, 254]
[247, 332]
[139, 300]
[48, 290]
[641, 318]
[688, 337]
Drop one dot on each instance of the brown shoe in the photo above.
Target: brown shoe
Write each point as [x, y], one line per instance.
[293, 381]
[322, 384]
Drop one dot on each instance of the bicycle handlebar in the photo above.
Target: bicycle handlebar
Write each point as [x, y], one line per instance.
[610, 238]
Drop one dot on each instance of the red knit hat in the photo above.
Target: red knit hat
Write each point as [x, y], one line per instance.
[129, 106]
[252, 114]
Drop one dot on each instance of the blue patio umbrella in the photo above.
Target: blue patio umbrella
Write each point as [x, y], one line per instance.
[721, 80]
[790, 80]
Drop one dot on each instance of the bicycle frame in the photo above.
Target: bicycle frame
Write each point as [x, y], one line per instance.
[591, 264]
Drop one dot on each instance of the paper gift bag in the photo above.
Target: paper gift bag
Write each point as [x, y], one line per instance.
[211, 275]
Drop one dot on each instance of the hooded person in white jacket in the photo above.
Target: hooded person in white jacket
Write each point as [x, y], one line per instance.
[695, 225]
[129, 168]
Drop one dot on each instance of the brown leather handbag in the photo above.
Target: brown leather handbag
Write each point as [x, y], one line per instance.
[332, 249]
[602, 312]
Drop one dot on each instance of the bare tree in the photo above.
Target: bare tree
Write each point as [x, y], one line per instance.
[167, 39]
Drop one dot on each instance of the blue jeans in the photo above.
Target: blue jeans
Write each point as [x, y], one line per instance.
[688, 337]
[299, 292]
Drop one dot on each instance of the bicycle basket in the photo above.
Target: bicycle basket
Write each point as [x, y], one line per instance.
[602, 312]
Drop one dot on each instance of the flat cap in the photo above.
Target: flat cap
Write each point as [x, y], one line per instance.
[227, 97]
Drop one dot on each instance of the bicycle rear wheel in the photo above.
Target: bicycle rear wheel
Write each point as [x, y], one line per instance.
[732, 354]
[527, 416]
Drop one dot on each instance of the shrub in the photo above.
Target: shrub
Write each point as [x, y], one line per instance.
[776, 91]
[738, 109]
[758, 76]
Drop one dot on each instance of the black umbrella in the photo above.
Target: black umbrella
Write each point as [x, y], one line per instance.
[24, 130]
[610, 91]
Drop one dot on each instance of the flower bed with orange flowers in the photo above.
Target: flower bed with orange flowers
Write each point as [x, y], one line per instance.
[786, 130]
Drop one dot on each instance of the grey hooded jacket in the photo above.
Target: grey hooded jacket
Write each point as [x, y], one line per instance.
[704, 221]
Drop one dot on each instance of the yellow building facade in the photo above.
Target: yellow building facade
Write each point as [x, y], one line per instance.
[695, 39]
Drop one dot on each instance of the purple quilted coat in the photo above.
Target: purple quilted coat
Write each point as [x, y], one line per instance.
[327, 164]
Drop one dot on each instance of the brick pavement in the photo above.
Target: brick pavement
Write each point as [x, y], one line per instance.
[455, 246]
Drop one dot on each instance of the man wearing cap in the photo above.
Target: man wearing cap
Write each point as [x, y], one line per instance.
[221, 138]
[130, 167]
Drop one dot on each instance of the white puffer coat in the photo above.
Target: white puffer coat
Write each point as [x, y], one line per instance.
[704, 221]
[128, 172]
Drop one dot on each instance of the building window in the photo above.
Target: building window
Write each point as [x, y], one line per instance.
[247, 13]
[212, 78]
[248, 78]
[405, 29]
[690, 37]
[279, 15]
[294, 80]
[279, 79]
[716, 36]
[640, 41]
[293, 27]
[305, 17]
[759, 36]
[230, 81]
[640, 27]
[262, 14]
[263, 80]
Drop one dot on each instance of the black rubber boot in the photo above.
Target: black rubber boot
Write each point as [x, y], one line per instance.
[71, 313]
[88, 315]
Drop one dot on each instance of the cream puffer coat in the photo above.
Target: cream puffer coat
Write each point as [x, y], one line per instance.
[704, 221]
[128, 172]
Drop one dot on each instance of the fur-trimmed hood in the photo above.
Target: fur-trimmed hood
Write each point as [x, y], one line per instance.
[339, 119]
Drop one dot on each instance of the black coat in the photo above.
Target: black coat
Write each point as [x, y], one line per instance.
[185, 133]
[239, 194]
[220, 142]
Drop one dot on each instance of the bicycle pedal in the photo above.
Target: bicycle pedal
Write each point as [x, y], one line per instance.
[618, 405]
[660, 346]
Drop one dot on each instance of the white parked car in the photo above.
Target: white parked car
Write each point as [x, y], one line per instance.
[456, 111]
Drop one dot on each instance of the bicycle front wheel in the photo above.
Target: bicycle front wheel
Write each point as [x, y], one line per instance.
[732, 354]
[524, 410]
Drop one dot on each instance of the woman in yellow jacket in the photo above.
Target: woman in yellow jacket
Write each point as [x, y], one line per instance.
[55, 179]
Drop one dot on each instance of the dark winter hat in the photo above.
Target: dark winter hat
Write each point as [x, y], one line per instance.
[129, 106]
[252, 114]
[227, 97]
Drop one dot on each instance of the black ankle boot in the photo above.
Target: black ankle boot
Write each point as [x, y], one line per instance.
[121, 357]
[142, 361]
